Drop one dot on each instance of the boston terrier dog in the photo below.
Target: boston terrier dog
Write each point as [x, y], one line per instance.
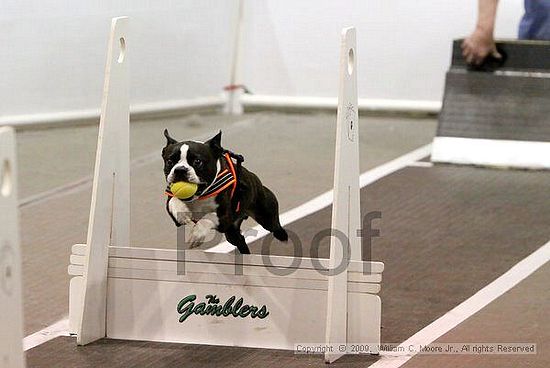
[227, 193]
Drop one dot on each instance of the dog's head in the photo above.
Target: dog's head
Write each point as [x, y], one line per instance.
[192, 161]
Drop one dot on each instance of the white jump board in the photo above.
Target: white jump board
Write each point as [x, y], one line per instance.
[197, 256]
[213, 268]
[491, 152]
[145, 289]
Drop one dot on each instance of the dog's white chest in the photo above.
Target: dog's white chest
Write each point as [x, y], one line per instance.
[187, 212]
[203, 206]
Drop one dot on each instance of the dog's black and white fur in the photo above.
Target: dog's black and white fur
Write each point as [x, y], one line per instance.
[199, 163]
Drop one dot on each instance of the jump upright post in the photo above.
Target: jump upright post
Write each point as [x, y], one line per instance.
[346, 212]
[109, 222]
[274, 302]
[11, 307]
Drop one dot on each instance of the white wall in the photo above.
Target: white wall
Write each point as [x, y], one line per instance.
[53, 51]
[404, 46]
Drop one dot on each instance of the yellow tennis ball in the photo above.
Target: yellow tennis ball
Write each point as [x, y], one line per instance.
[183, 189]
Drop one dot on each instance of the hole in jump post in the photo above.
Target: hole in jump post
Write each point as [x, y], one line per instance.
[122, 44]
[351, 61]
[5, 179]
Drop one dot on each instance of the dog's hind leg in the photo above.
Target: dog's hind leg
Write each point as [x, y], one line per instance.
[234, 236]
[267, 215]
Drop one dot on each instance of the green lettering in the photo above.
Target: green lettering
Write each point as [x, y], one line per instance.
[245, 310]
[186, 310]
[214, 310]
[262, 313]
[211, 307]
[227, 306]
[237, 306]
[199, 309]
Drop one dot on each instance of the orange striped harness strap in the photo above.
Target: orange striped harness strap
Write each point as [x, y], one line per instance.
[224, 180]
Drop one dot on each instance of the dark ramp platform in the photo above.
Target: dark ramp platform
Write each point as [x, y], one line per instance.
[489, 106]
[499, 116]
[510, 104]
[446, 232]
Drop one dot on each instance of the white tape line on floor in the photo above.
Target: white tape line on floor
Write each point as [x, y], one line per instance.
[469, 307]
[59, 328]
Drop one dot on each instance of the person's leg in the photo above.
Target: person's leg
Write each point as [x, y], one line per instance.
[535, 23]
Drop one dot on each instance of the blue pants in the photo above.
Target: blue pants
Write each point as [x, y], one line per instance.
[535, 24]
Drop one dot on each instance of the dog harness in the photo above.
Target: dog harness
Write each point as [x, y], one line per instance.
[225, 179]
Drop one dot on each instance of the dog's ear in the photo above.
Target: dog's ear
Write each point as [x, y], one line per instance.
[169, 140]
[216, 143]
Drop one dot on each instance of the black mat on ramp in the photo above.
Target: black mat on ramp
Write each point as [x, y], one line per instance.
[524, 55]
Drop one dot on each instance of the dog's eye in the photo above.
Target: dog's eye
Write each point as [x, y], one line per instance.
[169, 162]
[197, 163]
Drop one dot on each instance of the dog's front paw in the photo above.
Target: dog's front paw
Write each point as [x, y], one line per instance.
[179, 212]
[199, 232]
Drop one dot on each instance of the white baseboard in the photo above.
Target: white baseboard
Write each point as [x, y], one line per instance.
[156, 109]
[143, 110]
[365, 104]
[491, 152]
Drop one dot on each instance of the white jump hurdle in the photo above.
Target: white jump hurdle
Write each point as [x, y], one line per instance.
[123, 292]
[11, 308]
